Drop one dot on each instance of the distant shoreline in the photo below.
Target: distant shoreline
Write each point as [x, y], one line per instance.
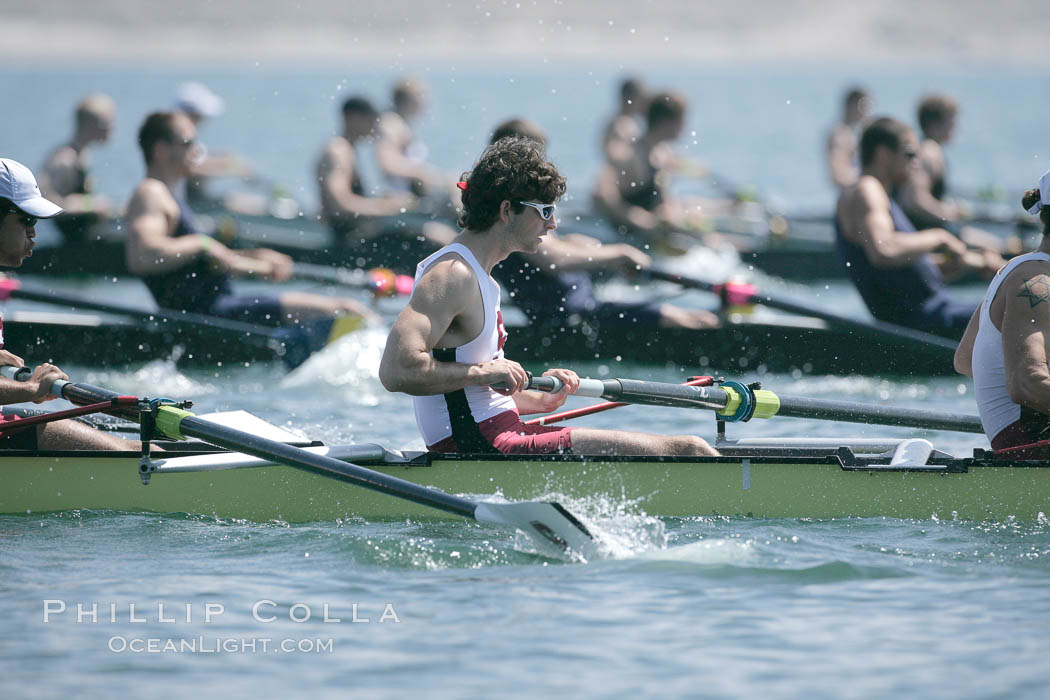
[897, 32]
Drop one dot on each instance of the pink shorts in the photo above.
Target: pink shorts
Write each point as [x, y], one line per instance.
[1016, 441]
[509, 435]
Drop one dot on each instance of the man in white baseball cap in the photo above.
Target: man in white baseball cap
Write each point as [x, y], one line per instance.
[198, 102]
[21, 204]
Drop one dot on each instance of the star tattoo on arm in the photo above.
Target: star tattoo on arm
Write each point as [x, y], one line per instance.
[1037, 290]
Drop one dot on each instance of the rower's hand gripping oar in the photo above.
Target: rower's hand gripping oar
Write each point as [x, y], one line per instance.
[80, 394]
[549, 524]
[734, 401]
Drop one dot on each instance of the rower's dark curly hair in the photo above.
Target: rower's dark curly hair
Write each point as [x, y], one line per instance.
[512, 169]
[1028, 201]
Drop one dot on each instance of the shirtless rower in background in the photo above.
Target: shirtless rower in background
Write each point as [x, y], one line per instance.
[924, 197]
[842, 143]
[200, 104]
[66, 175]
[400, 153]
[188, 271]
[356, 216]
[628, 124]
[634, 194]
[893, 265]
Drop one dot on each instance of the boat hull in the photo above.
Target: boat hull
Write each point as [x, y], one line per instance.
[740, 345]
[769, 487]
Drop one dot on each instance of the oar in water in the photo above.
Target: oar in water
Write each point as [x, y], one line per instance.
[548, 524]
[734, 401]
[293, 344]
[746, 294]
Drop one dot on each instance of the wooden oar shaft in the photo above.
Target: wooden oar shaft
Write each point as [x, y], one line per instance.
[718, 399]
[873, 326]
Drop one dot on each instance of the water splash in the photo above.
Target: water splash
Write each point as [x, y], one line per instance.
[156, 378]
[619, 526]
[349, 367]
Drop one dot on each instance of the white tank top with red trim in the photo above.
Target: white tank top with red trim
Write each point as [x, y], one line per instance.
[989, 367]
[436, 414]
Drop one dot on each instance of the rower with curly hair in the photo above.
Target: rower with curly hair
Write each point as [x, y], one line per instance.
[446, 347]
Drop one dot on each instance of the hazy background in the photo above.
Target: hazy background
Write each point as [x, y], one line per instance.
[530, 30]
[764, 79]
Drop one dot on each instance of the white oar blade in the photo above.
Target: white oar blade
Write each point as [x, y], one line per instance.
[552, 527]
[237, 460]
[251, 423]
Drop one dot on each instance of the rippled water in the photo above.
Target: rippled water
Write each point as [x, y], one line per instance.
[706, 607]
[771, 608]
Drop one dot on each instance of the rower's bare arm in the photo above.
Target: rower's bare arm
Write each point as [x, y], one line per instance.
[335, 173]
[868, 210]
[151, 248]
[151, 217]
[916, 196]
[391, 158]
[964, 353]
[440, 297]
[841, 150]
[1026, 342]
[574, 253]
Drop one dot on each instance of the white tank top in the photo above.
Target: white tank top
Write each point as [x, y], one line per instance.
[989, 368]
[457, 413]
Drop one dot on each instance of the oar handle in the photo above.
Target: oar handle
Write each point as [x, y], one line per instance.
[549, 384]
[642, 392]
[79, 393]
[22, 374]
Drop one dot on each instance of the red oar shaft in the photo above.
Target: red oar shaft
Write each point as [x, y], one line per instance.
[598, 408]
